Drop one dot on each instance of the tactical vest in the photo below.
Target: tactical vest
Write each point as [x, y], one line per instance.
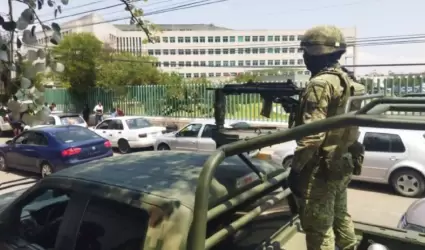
[337, 141]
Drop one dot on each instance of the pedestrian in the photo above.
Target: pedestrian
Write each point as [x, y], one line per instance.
[119, 111]
[323, 163]
[53, 107]
[98, 111]
[86, 113]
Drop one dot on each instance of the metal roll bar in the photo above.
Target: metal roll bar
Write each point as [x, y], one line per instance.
[202, 213]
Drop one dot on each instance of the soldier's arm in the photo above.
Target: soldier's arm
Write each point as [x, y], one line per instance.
[315, 103]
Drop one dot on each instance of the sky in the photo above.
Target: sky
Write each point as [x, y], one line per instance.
[370, 17]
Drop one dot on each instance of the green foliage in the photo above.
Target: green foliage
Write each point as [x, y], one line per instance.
[243, 78]
[79, 53]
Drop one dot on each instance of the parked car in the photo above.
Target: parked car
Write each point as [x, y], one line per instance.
[4, 125]
[196, 136]
[414, 218]
[64, 119]
[49, 149]
[92, 119]
[129, 132]
[392, 156]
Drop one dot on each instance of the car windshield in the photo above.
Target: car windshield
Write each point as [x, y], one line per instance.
[137, 123]
[75, 135]
[71, 120]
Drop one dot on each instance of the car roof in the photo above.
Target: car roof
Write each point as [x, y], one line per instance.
[55, 128]
[164, 174]
[60, 115]
[125, 117]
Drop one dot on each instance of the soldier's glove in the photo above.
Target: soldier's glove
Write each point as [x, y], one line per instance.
[294, 182]
[357, 151]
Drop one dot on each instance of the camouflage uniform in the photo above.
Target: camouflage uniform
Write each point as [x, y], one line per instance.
[325, 162]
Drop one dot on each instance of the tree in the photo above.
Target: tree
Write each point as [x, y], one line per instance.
[79, 53]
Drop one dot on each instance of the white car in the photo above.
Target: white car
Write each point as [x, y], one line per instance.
[59, 118]
[392, 156]
[127, 132]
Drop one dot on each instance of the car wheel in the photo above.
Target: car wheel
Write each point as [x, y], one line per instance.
[163, 146]
[408, 182]
[287, 162]
[3, 164]
[45, 169]
[123, 146]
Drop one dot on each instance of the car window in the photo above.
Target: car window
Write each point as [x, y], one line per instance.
[207, 132]
[50, 121]
[191, 130]
[240, 125]
[383, 142]
[137, 123]
[77, 134]
[37, 139]
[22, 138]
[111, 225]
[72, 120]
[47, 207]
[104, 125]
[116, 125]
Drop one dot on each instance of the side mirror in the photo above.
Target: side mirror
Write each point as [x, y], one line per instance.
[9, 142]
[177, 134]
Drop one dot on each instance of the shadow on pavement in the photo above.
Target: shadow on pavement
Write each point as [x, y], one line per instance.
[365, 186]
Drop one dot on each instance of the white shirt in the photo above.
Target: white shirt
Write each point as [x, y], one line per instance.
[98, 107]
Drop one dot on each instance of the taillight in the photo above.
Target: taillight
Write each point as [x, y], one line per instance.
[107, 144]
[71, 151]
[143, 135]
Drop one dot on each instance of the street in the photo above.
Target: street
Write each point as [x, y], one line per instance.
[370, 203]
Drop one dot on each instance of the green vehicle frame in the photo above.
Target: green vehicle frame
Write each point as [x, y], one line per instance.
[290, 236]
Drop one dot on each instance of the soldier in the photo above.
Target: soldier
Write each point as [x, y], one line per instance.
[324, 163]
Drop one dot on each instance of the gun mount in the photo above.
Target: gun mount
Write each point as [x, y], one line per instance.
[285, 93]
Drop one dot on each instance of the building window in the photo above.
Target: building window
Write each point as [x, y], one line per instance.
[226, 74]
[217, 51]
[240, 63]
[217, 74]
[226, 63]
[172, 40]
[203, 75]
[300, 61]
[300, 72]
[277, 50]
[240, 39]
[247, 63]
[292, 62]
[157, 52]
[232, 63]
[173, 64]
[165, 39]
[247, 51]
[284, 50]
[225, 39]
[166, 64]
[277, 38]
[262, 50]
[203, 63]
[254, 51]
[270, 50]
[180, 39]
[255, 38]
[240, 51]
[210, 74]
[307, 72]
[211, 63]
[181, 75]
[172, 51]
[255, 63]
[187, 52]
[284, 62]
[202, 39]
[232, 51]
[284, 38]
[195, 63]
[291, 38]
[181, 52]
[276, 62]
[188, 64]
[150, 52]
[217, 39]
[202, 51]
[225, 51]
[217, 63]
[291, 50]
[247, 39]
[232, 39]
[195, 39]
[270, 38]
[262, 62]
[165, 52]
[195, 52]
[181, 64]
[196, 75]
[270, 62]
[210, 51]
[188, 75]
[187, 39]
[300, 38]
[210, 39]
[262, 38]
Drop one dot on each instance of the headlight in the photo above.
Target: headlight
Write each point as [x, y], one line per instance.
[403, 224]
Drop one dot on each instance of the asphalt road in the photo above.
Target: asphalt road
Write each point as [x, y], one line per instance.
[371, 203]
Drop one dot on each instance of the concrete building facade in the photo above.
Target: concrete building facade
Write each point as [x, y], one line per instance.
[206, 50]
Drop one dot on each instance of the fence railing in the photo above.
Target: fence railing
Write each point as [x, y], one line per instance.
[195, 101]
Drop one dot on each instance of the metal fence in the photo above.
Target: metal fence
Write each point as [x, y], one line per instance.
[195, 101]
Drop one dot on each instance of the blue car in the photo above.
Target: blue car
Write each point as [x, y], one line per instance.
[46, 150]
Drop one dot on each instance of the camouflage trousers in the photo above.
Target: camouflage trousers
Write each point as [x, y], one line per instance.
[323, 213]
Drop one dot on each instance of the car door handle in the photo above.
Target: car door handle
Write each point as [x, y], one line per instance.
[104, 132]
[110, 134]
[393, 158]
[119, 132]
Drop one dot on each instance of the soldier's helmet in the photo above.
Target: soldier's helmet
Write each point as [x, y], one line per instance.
[323, 40]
